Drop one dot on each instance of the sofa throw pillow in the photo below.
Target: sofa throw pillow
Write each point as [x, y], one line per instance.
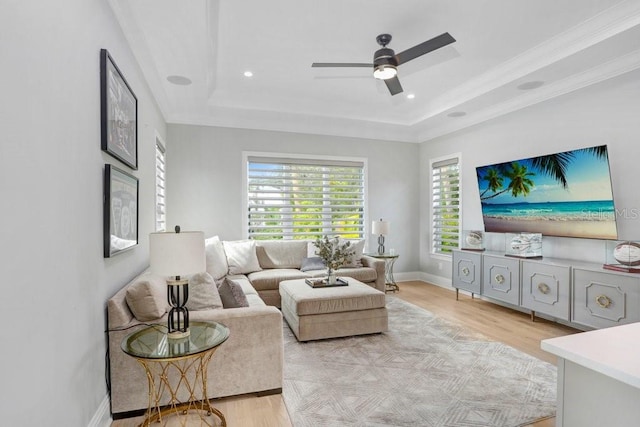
[232, 295]
[357, 249]
[241, 256]
[311, 250]
[147, 297]
[313, 263]
[217, 265]
[203, 293]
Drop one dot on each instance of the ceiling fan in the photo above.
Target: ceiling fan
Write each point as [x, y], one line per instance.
[386, 61]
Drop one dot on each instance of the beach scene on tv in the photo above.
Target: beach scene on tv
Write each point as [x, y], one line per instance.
[565, 194]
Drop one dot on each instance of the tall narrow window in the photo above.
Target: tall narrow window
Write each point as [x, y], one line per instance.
[161, 222]
[445, 206]
[292, 198]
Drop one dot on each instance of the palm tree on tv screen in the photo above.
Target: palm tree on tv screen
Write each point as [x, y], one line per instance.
[552, 165]
[520, 181]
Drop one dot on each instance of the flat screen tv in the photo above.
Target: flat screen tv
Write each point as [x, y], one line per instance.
[565, 194]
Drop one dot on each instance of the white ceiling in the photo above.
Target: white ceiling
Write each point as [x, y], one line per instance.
[567, 44]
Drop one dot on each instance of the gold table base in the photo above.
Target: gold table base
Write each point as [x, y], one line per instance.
[186, 373]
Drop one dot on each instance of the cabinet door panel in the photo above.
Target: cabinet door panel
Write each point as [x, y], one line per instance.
[602, 299]
[467, 271]
[501, 279]
[545, 288]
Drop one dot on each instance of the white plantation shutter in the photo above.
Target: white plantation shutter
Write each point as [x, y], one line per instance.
[445, 207]
[161, 222]
[304, 198]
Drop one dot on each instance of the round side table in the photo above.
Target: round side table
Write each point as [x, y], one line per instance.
[389, 260]
[177, 369]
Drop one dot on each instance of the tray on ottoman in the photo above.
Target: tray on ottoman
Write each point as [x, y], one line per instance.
[323, 283]
[329, 312]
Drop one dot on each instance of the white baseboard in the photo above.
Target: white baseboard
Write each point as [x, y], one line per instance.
[102, 417]
[443, 282]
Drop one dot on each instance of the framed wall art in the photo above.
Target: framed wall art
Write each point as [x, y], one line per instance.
[120, 211]
[118, 113]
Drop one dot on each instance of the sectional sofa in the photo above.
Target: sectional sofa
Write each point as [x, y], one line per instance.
[251, 360]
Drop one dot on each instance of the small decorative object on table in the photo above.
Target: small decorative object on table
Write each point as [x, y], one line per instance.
[472, 240]
[523, 245]
[334, 255]
[622, 256]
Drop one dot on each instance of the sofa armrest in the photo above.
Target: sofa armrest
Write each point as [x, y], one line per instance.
[378, 265]
[251, 360]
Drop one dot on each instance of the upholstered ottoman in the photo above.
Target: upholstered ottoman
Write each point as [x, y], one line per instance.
[341, 311]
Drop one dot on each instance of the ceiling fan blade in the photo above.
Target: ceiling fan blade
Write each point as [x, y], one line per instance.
[425, 47]
[394, 85]
[340, 64]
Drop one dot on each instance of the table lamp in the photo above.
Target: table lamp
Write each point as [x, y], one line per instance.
[174, 255]
[380, 228]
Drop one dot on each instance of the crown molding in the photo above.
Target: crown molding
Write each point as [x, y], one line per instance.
[608, 70]
[298, 123]
[607, 24]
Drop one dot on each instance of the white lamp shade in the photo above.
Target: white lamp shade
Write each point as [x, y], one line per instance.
[177, 254]
[380, 228]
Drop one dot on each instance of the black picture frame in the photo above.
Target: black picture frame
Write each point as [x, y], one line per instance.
[118, 113]
[120, 214]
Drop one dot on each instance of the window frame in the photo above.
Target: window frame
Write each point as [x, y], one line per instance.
[247, 155]
[160, 147]
[457, 157]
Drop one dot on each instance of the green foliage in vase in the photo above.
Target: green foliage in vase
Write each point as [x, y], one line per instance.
[334, 254]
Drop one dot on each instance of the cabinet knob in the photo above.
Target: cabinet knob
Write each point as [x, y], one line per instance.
[499, 278]
[543, 288]
[603, 301]
[465, 271]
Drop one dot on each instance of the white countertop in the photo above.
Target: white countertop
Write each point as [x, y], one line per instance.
[614, 352]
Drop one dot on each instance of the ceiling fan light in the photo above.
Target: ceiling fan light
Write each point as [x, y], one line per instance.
[385, 72]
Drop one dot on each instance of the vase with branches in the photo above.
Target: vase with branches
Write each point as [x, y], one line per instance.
[334, 255]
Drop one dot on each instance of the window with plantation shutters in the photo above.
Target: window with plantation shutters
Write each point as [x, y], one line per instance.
[445, 205]
[161, 222]
[294, 198]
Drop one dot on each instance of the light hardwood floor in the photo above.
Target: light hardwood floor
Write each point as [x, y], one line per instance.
[498, 323]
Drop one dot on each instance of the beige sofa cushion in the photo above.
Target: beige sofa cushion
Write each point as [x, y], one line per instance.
[270, 279]
[147, 297]
[306, 300]
[281, 253]
[203, 293]
[356, 248]
[217, 265]
[241, 256]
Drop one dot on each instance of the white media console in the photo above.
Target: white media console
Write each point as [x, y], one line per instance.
[584, 294]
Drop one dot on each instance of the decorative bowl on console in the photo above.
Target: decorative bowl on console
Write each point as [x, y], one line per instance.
[472, 240]
[622, 255]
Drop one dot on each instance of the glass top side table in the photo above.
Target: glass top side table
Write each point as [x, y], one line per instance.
[177, 369]
[389, 260]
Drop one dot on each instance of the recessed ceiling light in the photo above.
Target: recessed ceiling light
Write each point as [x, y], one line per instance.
[530, 85]
[248, 74]
[179, 80]
[411, 96]
[457, 114]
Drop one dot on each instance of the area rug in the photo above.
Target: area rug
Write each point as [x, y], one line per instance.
[424, 371]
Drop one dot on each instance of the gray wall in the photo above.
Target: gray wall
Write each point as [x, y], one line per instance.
[55, 281]
[204, 180]
[606, 113]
